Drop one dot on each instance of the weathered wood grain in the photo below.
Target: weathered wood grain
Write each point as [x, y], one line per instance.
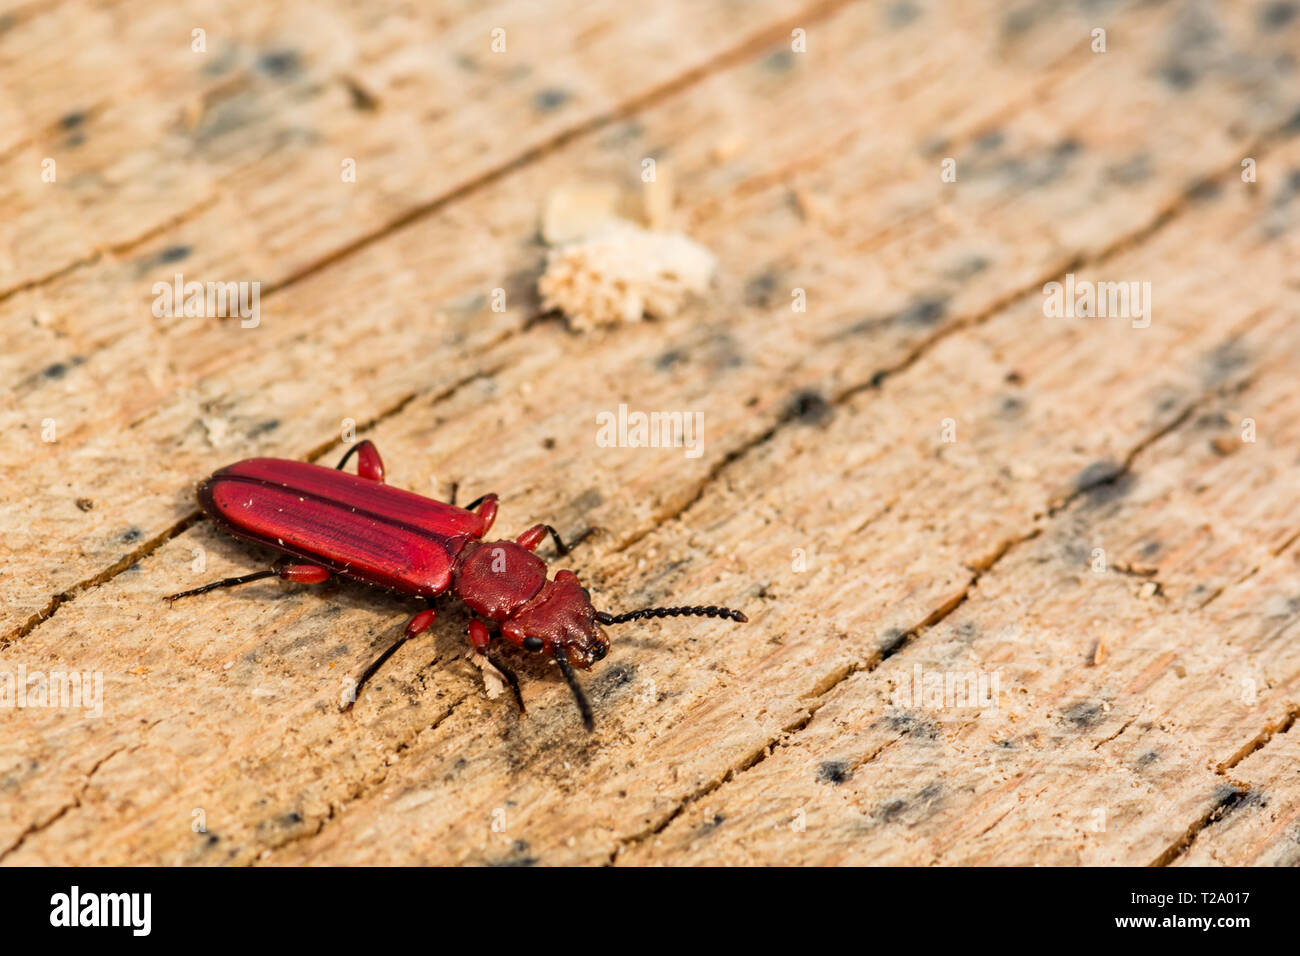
[147, 131]
[822, 439]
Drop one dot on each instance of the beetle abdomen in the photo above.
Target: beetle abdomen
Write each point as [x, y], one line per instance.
[350, 536]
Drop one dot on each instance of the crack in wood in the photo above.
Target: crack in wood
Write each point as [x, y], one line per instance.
[365, 785]
[744, 50]
[981, 567]
[63, 811]
[1228, 803]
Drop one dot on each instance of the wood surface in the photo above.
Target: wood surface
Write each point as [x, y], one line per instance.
[921, 470]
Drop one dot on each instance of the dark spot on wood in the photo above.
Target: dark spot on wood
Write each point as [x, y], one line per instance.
[1225, 361]
[902, 13]
[172, 254]
[1084, 715]
[362, 99]
[891, 641]
[210, 840]
[1148, 758]
[1017, 22]
[1011, 406]
[521, 855]
[280, 63]
[865, 327]
[612, 678]
[708, 826]
[1135, 169]
[130, 535]
[1275, 15]
[1103, 481]
[924, 312]
[924, 800]
[291, 819]
[1015, 378]
[1178, 76]
[967, 631]
[1227, 799]
[1041, 168]
[968, 268]
[1292, 126]
[809, 407]
[71, 121]
[1203, 190]
[724, 351]
[779, 62]
[937, 146]
[270, 425]
[760, 290]
[990, 140]
[550, 99]
[521, 290]
[889, 811]
[1149, 549]
[670, 359]
[621, 134]
[834, 772]
[589, 500]
[548, 443]
[1076, 552]
[909, 725]
[55, 371]
[85, 504]
[1292, 186]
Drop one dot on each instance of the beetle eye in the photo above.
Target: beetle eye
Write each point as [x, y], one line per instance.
[533, 643]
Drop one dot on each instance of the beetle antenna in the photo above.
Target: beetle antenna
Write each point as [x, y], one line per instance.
[699, 611]
[562, 659]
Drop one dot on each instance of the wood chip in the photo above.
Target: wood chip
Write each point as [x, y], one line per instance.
[1099, 652]
[576, 210]
[623, 274]
[494, 681]
[657, 198]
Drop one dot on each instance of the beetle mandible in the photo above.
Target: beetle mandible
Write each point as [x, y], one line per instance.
[328, 521]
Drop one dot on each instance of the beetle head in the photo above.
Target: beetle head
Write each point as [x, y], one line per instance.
[560, 621]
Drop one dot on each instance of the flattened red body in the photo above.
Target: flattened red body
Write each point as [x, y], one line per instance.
[358, 528]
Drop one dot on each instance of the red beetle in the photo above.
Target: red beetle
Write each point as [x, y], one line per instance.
[356, 526]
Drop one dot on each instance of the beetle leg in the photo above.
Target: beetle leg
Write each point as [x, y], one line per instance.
[369, 465]
[305, 573]
[418, 624]
[301, 573]
[485, 506]
[481, 638]
[224, 583]
[534, 536]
